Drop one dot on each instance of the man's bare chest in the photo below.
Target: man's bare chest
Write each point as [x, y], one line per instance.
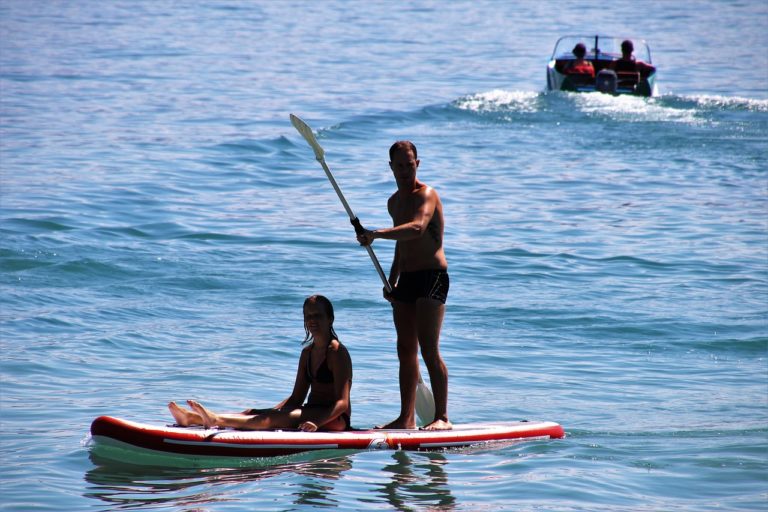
[405, 210]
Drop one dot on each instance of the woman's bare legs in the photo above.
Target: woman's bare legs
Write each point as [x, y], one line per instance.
[303, 419]
[266, 421]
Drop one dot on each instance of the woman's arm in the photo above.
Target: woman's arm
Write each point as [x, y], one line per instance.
[300, 385]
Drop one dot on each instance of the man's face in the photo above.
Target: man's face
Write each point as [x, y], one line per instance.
[404, 165]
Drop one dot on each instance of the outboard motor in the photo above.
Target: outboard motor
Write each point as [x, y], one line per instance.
[606, 81]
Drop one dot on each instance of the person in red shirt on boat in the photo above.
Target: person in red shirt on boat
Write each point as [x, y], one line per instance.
[579, 66]
[628, 64]
[419, 280]
[325, 372]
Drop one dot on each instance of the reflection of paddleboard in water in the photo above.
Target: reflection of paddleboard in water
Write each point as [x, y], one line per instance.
[129, 441]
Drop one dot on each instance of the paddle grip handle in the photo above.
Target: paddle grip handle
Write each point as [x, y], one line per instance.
[359, 229]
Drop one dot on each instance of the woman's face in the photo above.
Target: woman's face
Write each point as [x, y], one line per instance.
[316, 319]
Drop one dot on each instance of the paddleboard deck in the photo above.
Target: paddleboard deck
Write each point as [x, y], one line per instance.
[199, 442]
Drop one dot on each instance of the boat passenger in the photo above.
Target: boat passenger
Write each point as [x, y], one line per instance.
[628, 64]
[324, 371]
[579, 66]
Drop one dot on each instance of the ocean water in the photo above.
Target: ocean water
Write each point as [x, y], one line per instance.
[161, 223]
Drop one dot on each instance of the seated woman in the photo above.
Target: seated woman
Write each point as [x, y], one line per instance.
[579, 66]
[325, 371]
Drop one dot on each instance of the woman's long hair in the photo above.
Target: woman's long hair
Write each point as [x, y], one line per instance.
[328, 307]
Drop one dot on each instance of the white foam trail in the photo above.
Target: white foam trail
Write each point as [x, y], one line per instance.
[634, 109]
[500, 100]
[731, 102]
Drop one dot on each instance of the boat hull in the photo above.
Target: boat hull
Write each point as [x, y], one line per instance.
[557, 81]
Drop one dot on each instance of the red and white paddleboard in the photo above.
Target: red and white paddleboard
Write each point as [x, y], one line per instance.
[130, 436]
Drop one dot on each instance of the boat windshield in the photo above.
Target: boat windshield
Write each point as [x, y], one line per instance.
[600, 47]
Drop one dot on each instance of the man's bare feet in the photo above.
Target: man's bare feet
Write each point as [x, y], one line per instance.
[209, 418]
[438, 425]
[397, 424]
[182, 416]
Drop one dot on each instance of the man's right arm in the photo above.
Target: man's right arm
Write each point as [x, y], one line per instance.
[411, 229]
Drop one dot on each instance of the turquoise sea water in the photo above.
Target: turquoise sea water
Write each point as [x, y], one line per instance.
[161, 223]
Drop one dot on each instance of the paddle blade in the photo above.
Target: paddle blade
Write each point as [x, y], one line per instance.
[306, 132]
[425, 403]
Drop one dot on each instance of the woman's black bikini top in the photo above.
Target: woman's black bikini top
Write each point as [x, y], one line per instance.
[324, 374]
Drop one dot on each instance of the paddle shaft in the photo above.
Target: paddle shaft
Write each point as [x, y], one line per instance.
[356, 223]
[306, 132]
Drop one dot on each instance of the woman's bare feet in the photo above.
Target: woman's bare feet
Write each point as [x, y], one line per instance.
[208, 418]
[183, 417]
[438, 425]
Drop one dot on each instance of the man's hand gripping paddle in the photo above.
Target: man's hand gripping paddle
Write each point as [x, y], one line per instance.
[425, 402]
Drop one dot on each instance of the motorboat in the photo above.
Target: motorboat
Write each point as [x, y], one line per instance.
[612, 74]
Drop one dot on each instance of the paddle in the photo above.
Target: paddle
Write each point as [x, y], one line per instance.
[425, 402]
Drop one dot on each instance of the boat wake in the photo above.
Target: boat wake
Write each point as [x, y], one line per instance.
[669, 108]
[709, 102]
[499, 100]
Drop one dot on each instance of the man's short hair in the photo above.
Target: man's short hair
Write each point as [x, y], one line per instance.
[403, 144]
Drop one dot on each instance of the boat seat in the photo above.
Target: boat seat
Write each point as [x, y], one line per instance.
[628, 79]
[601, 64]
[575, 80]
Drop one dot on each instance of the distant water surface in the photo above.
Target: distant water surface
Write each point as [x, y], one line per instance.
[162, 222]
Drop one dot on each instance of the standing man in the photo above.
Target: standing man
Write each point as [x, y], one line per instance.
[419, 280]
